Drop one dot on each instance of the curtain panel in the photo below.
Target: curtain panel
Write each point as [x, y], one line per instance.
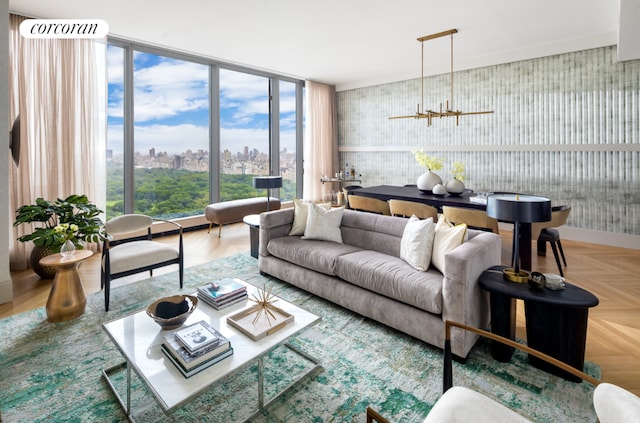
[321, 139]
[57, 86]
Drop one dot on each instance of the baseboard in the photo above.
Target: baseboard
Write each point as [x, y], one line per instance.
[595, 237]
[6, 291]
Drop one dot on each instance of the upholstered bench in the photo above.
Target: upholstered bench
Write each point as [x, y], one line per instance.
[235, 210]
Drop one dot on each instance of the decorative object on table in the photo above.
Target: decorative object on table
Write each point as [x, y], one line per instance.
[554, 282]
[518, 209]
[448, 111]
[73, 219]
[171, 312]
[537, 280]
[223, 293]
[455, 186]
[268, 183]
[199, 357]
[439, 189]
[429, 179]
[261, 319]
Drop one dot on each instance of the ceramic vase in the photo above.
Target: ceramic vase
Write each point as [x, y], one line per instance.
[455, 187]
[427, 181]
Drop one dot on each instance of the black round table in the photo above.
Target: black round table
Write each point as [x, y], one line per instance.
[556, 321]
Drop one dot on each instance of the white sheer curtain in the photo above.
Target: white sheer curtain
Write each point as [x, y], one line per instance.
[321, 139]
[58, 88]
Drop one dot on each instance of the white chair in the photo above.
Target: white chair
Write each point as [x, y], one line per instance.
[460, 404]
[129, 249]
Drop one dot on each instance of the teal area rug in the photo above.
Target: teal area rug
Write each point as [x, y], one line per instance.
[52, 371]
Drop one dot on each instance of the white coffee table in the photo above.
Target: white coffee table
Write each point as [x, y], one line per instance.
[138, 338]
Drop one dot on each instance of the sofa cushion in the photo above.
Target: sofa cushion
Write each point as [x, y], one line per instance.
[319, 256]
[323, 224]
[417, 243]
[447, 238]
[301, 213]
[371, 231]
[393, 278]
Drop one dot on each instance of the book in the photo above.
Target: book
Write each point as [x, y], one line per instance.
[188, 372]
[197, 336]
[221, 289]
[190, 360]
[226, 302]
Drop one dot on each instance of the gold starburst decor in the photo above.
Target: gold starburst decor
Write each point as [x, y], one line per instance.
[265, 301]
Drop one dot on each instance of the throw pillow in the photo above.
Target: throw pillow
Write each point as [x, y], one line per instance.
[417, 243]
[447, 238]
[324, 224]
[300, 214]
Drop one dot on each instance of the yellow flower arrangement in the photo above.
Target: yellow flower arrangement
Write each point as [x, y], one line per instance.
[458, 171]
[430, 162]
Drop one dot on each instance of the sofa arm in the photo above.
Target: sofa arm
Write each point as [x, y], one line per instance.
[274, 224]
[463, 300]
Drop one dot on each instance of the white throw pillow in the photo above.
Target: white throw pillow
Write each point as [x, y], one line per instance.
[417, 243]
[324, 224]
[447, 238]
[300, 213]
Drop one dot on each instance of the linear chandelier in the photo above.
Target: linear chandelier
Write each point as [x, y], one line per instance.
[448, 110]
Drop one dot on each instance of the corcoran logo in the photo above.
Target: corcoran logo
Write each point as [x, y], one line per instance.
[64, 28]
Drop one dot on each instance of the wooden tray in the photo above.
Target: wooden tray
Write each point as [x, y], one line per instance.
[258, 330]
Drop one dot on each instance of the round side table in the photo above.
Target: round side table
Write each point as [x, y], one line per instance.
[556, 321]
[67, 299]
[253, 220]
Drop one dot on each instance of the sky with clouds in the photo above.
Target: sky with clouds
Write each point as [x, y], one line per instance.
[171, 106]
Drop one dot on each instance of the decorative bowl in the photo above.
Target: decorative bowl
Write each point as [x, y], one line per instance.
[171, 312]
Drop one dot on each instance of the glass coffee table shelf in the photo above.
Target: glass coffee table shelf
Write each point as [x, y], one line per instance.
[138, 338]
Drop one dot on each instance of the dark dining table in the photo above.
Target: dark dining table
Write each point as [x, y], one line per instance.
[468, 199]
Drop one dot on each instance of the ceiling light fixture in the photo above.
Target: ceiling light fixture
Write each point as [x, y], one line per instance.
[448, 110]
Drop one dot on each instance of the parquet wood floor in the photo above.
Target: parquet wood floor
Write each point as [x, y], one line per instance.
[610, 273]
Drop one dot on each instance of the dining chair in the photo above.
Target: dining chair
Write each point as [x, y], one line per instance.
[544, 232]
[129, 249]
[409, 208]
[475, 219]
[368, 204]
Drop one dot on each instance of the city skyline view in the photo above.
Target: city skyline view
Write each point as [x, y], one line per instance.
[171, 106]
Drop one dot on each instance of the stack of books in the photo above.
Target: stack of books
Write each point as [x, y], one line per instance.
[195, 347]
[223, 293]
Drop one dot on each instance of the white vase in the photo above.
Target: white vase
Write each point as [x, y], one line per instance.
[427, 181]
[455, 186]
[439, 189]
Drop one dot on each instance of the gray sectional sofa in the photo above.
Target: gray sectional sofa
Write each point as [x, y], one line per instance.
[366, 274]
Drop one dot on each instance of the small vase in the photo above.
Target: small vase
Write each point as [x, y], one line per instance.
[427, 181]
[455, 187]
[67, 249]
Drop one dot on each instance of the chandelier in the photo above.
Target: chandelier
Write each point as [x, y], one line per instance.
[448, 110]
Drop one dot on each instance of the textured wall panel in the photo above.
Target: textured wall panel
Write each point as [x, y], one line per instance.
[564, 126]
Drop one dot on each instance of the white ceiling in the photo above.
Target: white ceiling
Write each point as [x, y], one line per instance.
[356, 43]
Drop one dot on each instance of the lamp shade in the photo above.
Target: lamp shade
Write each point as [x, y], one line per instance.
[519, 208]
[267, 182]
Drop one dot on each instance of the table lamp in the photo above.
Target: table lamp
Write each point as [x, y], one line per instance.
[267, 182]
[518, 209]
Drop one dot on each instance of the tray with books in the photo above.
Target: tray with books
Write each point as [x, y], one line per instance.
[223, 293]
[195, 347]
[256, 324]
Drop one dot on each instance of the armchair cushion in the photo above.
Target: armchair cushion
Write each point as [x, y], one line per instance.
[138, 254]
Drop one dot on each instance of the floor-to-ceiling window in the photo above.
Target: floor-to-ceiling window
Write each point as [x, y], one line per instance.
[288, 134]
[168, 111]
[244, 132]
[171, 137]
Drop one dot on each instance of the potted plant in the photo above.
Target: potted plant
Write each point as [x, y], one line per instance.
[428, 180]
[73, 220]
